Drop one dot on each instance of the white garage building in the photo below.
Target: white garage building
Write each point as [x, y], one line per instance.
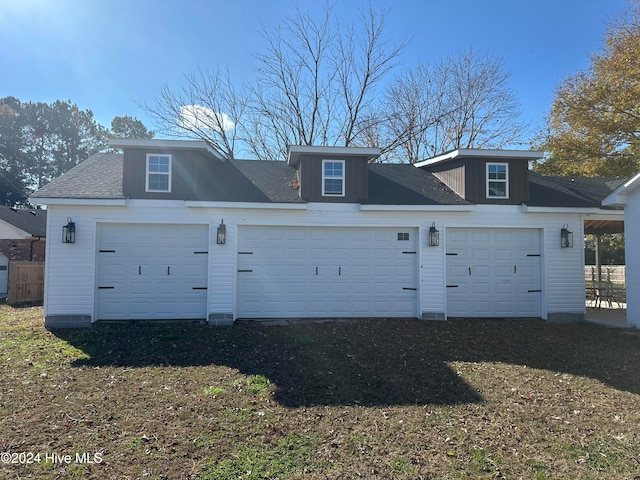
[172, 230]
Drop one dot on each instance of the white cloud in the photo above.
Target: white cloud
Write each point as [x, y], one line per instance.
[203, 118]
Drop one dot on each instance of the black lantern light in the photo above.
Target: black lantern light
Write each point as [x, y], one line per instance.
[69, 232]
[221, 236]
[566, 237]
[434, 235]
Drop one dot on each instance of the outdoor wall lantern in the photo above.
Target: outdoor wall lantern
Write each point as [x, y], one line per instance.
[69, 232]
[566, 237]
[221, 237]
[434, 235]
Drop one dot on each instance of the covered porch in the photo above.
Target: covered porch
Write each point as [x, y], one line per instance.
[605, 296]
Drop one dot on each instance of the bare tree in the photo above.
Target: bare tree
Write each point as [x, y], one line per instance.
[416, 100]
[293, 94]
[361, 63]
[484, 110]
[208, 107]
[317, 82]
[462, 102]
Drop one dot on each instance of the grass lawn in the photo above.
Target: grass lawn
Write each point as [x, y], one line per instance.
[399, 399]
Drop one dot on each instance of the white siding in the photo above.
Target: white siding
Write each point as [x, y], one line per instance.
[71, 268]
[432, 269]
[564, 267]
[222, 267]
[632, 257]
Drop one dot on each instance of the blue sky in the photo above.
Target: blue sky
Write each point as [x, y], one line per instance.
[110, 55]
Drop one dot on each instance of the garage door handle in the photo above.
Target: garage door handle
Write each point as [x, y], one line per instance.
[514, 269]
[339, 270]
[316, 270]
[139, 270]
[469, 270]
[168, 270]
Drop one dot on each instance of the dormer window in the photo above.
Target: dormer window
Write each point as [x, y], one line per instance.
[333, 178]
[497, 180]
[158, 173]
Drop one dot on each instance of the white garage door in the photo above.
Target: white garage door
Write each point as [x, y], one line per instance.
[493, 272]
[286, 272]
[152, 271]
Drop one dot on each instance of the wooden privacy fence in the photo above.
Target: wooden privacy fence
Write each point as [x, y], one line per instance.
[26, 282]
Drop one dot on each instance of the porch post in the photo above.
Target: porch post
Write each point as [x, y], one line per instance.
[598, 260]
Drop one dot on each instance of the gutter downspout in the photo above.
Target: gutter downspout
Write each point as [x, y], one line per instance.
[31, 247]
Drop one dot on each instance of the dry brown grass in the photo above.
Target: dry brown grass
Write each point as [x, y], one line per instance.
[360, 399]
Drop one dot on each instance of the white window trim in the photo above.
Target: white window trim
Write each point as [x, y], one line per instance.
[146, 178]
[506, 180]
[343, 178]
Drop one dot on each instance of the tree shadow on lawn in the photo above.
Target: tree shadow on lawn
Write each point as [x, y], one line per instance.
[374, 362]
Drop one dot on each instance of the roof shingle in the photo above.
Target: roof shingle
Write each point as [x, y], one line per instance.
[548, 191]
[99, 176]
[31, 221]
[268, 181]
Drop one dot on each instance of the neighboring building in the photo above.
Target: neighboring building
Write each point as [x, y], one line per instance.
[172, 230]
[22, 237]
[628, 196]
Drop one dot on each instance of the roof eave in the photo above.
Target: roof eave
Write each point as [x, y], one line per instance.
[77, 201]
[621, 194]
[581, 210]
[172, 144]
[481, 153]
[295, 151]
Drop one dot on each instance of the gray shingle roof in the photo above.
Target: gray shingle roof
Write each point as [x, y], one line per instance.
[272, 178]
[99, 176]
[403, 184]
[569, 191]
[268, 181]
[31, 221]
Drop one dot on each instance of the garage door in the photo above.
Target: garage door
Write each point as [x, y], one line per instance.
[286, 272]
[493, 272]
[152, 271]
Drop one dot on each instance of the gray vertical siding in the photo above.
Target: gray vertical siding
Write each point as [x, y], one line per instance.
[310, 174]
[468, 178]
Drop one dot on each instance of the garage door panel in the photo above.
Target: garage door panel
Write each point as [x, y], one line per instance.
[480, 254]
[504, 271]
[153, 275]
[403, 271]
[481, 271]
[480, 287]
[494, 269]
[361, 235]
[504, 308]
[343, 268]
[320, 234]
[504, 255]
[504, 289]
[478, 236]
[528, 272]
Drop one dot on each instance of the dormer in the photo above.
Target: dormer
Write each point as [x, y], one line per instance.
[332, 174]
[485, 176]
[166, 169]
